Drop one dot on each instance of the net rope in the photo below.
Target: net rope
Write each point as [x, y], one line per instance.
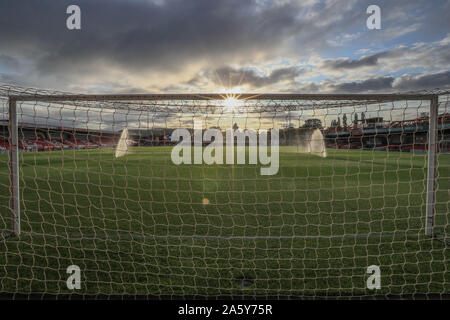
[138, 224]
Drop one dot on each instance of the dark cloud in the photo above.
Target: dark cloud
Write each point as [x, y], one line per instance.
[144, 45]
[8, 62]
[389, 84]
[343, 63]
[425, 81]
[143, 35]
[369, 85]
[425, 55]
[141, 38]
[229, 77]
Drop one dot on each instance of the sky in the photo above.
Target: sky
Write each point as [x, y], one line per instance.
[183, 46]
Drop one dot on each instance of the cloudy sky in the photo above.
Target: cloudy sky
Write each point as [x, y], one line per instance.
[302, 46]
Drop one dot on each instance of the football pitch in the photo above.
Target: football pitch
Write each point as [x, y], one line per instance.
[142, 225]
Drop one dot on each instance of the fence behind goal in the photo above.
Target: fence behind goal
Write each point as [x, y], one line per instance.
[90, 181]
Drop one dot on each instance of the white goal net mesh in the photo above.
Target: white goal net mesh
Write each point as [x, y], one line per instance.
[99, 189]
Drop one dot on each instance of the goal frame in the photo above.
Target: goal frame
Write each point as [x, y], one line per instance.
[374, 98]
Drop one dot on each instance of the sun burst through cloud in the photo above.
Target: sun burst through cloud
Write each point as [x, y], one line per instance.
[231, 104]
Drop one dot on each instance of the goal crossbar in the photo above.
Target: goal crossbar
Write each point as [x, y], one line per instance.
[219, 96]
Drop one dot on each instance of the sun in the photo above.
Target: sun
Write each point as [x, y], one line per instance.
[231, 103]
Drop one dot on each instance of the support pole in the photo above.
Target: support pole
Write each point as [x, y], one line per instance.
[432, 159]
[14, 166]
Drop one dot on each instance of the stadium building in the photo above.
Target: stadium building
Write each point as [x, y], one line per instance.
[371, 133]
[375, 133]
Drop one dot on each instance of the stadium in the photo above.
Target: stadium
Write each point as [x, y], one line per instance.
[139, 225]
[209, 151]
[403, 136]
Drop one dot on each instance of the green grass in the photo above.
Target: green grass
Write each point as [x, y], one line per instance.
[273, 229]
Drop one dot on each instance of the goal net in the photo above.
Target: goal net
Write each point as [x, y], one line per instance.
[210, 195]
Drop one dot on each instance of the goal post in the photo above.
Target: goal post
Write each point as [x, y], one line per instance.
[14, 166]
[432, 161]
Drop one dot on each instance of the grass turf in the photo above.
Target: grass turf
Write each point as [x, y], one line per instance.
[138, 225]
